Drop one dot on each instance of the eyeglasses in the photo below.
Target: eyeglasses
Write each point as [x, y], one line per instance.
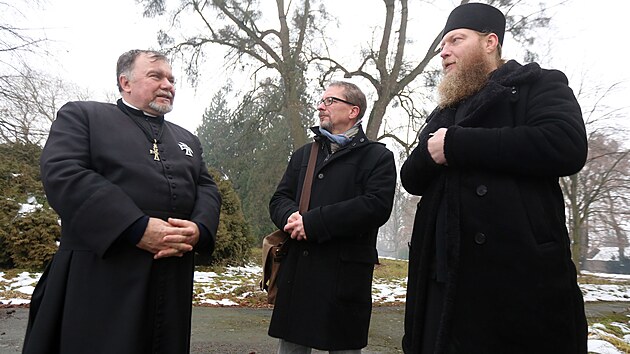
[329, 100]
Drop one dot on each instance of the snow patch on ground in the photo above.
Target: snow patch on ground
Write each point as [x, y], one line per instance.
[212, 289]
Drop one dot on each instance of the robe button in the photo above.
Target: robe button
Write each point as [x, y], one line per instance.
[320, 176]
[482, 190]
[480, 238]
[305, 253]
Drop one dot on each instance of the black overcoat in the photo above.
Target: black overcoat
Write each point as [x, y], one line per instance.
[511, 285]
[101, 293]
[324, 293]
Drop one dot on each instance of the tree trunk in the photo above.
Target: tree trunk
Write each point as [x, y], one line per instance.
[293, 110]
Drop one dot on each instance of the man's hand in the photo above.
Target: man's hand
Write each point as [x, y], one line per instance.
[168, 239]
[295, 227]
[435, 146]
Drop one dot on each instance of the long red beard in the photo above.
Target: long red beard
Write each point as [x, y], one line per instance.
[469, 77]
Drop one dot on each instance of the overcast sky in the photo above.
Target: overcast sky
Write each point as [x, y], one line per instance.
[88, 36]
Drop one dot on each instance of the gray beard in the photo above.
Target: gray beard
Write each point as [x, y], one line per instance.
[161, 108]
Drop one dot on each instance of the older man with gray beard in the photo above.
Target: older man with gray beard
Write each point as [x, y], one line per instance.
[135, 201]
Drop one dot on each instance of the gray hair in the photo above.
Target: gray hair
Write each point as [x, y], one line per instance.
[353, 94]
[125, 63]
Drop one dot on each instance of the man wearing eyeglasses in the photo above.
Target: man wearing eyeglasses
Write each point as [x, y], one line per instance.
[324, 298]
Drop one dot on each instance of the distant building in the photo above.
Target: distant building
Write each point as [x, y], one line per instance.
[608, 260]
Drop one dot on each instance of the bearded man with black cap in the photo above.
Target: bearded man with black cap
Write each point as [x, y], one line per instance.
[490, 267]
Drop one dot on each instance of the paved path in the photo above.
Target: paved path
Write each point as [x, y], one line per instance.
[228, 330]
[244, 331]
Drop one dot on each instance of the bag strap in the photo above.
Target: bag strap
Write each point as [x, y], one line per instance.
[305, 198]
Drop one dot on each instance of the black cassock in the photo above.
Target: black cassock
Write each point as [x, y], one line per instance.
[100, 293]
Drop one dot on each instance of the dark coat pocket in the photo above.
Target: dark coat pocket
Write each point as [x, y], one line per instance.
[356, 268]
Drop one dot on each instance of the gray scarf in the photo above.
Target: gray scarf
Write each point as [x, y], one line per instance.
[337, 141]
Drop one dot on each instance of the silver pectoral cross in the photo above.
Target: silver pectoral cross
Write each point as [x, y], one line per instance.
[154, 151]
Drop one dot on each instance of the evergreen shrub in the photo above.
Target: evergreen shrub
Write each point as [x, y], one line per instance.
[234, 239]
[28, 238]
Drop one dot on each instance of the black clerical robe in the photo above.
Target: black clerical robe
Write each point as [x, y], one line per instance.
[101, 293]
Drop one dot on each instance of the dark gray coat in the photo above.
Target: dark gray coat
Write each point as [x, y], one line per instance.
[100, 293]
[511, 284]
[324, 293]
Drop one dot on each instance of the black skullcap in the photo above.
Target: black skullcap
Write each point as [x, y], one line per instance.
[476, 16]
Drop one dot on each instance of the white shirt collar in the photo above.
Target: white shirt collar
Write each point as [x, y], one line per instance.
[136, 108]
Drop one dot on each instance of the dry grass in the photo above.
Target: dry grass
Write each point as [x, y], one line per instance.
[589, 279]
[390, 269]
[612, 333]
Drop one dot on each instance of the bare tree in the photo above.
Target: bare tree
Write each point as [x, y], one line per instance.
[21, 103]
[617, 218]
[29, 102]
[238, 26]
[15, 40]
[598, 197]
[391, 71]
